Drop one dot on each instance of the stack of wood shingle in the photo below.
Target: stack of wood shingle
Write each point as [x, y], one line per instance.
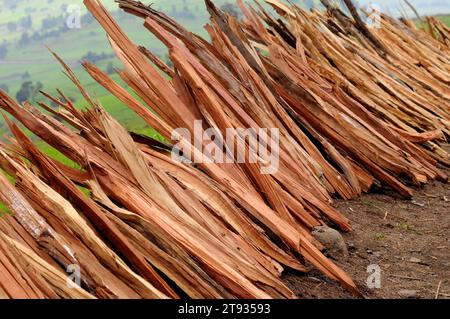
[351, 112]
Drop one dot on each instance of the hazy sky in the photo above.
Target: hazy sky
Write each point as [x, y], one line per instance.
[425, 7]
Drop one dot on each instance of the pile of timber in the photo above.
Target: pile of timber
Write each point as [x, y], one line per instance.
[354, 106]
[438, 30]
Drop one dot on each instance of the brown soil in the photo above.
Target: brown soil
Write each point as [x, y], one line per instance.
[408, 239]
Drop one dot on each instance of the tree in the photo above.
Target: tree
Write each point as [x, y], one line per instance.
[24, 92]
[173, 13]
[39, 87]
[26, 22]
[25, 75]
[52, 22]
[231, 9]
[28, 91]
[12, 26]
[24, 39]
[93, 57]
[110, 68]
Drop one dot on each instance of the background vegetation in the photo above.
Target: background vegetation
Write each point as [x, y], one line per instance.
[27, 26]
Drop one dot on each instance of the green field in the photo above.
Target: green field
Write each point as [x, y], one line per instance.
[15, 10]
[33, 62]
[445, 19]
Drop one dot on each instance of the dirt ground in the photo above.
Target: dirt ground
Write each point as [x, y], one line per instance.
[408, 239]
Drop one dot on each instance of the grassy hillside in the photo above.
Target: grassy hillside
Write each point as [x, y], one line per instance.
[30, 60]
[15, 11]
[445, 19]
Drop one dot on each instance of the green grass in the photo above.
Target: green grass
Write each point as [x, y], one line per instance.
[41, 66]
[445, 19]
[35, 60]
[39, 10]
[71, 46]
[130, 120]
[380, 236]
[3, 208]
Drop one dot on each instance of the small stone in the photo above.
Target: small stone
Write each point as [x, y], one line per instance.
[332, 240]
[415, 260]
[417, 203]
[406, 293]
[370, 252]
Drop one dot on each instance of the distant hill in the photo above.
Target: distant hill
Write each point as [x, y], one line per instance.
[27, 26]
[17, 16]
